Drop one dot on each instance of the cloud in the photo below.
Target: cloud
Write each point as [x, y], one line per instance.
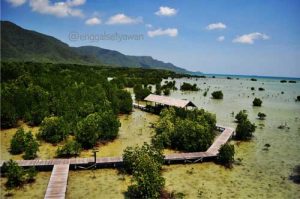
[93, 21]
[16, 3]
[215, 26]
[59, 9]
[172, 32]
[221, 38]
[123, 19]
[149, 25]
[249, 38]
[166, 11]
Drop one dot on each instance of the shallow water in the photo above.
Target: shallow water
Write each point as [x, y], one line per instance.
[262, 174]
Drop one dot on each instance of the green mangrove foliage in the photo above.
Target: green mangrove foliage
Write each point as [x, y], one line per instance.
[189, 87]
[187, 130]
[226, 154]
[144, 163]
[24, 142]
[242, 115]
[217, 95]
[140, 92]
[125, 103]
[257, 102]
[70, 149]
[167, 91]
[245, 128]
[261, 116]
[96, 127]
[171, 85]
[53, 129]
[33, 91]
[16, 175]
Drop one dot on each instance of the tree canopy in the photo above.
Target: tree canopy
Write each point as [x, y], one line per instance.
[187, 130]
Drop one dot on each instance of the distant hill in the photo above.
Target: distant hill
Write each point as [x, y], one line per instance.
[19, 44]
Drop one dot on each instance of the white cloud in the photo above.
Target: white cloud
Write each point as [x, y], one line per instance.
[123, 19]
[166, 11]
[221, 38]
[93, 21]
[215, 26]
[172, 32]
[16, 3]
[149, 25]
[249, 38]
[59, 9]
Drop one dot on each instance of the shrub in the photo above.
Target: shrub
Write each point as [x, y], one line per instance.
[53, 129]
[252, 88]
[24, 142]
[145, 164]
[189, 87]
[283, 81]
[17, 143]
[226, 154]
[167, 91]
[70, 149]
[104, 126]
[16, 175]
[261, 116]
[125, 101]
[140, 92]
[298, 98]
[244, 130]
[169, 85]
[89, 130]
[188, 130]
[158, 89]
[257, 102]
[253, 79]
[241, 116]
[292, 81]
[217, 94]
[31, 147]
[109, 125]
[261, 89]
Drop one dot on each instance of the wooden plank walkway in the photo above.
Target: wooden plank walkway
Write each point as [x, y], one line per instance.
[221, 139]
[57, 185]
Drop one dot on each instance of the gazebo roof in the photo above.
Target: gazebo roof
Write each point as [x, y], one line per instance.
[169, 101]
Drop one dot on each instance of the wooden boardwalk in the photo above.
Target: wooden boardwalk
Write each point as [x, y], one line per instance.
[57, 185]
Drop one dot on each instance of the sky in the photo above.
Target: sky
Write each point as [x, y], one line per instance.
[257, 37]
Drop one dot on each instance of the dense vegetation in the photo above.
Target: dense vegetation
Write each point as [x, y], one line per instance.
[245, 128]
[141, 92]
[189, 87]
[95, 127]
[257, 102]
[71, 148]
[144, 163]
[261, 116]
[187, 130]
[24, 142]
[217, 94]
[16, 175]
[226, 154]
